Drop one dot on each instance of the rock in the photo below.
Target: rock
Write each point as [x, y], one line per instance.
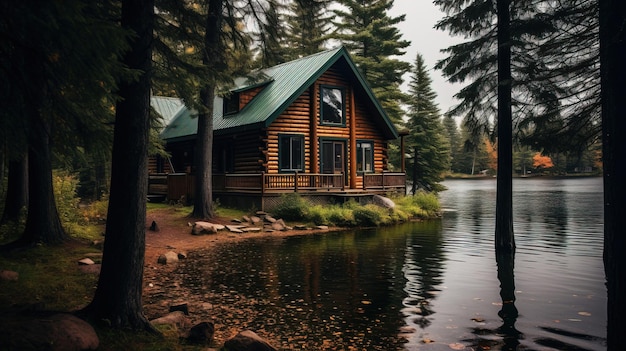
[168, 258]
[269, 219]
[86, 262]
[278, 225]
[154, 226]
[321, 227]
[203, 228]
[245, 219]
[251, 230]
[201, 333]
[383, 201]
[48, 331]
[176, 318]
[183, 307]
[261, 213]
[255, 220]
[248, 340]
[182, 255]
[235, 228]
[300, 227]
[9, 275]
[235, 220]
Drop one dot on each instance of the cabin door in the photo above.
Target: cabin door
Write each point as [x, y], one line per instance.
[333, 157]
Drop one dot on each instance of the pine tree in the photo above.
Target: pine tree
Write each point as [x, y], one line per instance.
[367, 31]
[454, 139]
[118, 297]
[426, 140]
[60, 68]
[308, 26]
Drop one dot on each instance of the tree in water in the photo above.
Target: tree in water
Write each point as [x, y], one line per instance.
[613, 78]
[505, 241]
[430, 149]
[118, 297]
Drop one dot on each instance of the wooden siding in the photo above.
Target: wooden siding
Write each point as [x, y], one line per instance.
[247, 151]
[297, 119]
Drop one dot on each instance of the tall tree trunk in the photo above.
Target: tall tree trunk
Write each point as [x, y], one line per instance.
[42, 223]
[17, 190]
[415, 171]
[118, 296]
[212, 57]
[613, 80]
[504, 241]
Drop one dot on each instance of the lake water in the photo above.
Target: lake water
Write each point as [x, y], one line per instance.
[430, 285]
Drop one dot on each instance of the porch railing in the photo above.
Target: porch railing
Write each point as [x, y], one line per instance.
[179, 184]
[384, 181]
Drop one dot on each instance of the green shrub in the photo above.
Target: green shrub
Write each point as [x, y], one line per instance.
[368, 216]
[65, 185]
[318, 215]
[292, 207]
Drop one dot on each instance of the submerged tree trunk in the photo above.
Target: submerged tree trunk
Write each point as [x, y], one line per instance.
[118, 296]
[613, 80]
[212, 57]
[504, 239]
[17, 190]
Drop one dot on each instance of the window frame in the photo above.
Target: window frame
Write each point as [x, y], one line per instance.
[281, 152]
[361, 156]
[231, 103]
[342, 93]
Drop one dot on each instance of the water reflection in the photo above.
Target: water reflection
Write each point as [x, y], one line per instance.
[423, 286]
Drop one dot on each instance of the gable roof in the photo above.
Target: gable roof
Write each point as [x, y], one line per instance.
[284, 83]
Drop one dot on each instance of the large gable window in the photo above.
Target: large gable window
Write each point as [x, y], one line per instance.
[332, 111]
[291, 152]
[364, 156]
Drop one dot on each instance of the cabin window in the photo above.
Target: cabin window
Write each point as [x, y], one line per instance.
[332, 106]
[291, 152]
[364, 156]
[231, 103]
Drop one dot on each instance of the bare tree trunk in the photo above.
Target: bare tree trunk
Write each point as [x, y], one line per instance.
[118, 296]
[212, 57]
[17, 190]
[613, 80]
[504, 241]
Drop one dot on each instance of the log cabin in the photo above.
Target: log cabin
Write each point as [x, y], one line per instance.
[311, 126]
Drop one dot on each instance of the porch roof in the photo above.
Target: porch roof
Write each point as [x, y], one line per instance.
[283, 84]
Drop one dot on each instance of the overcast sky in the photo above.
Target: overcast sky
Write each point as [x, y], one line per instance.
[418, 28]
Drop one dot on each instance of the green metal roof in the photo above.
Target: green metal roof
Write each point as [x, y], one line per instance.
[284, 83]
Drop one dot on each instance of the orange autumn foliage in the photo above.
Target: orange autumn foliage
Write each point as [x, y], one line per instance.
[540, 161]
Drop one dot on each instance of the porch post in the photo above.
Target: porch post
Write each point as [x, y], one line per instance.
[352, 149]
[313, 142]
[295, 182]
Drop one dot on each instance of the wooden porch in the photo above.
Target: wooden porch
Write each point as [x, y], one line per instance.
[178, 185]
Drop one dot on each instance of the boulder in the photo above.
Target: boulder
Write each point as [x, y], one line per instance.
[248, 340]
[203, 228]
[154, 226]
[383, 201]
[48, 331]
[201, 333]
[255, 220]
[9, 275]
[176, 319]
[279, 225]
[168, 258]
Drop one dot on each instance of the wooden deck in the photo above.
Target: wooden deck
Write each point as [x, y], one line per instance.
[176, 185]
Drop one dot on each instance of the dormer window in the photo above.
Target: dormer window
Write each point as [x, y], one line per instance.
[231, 103]
[332, 106]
